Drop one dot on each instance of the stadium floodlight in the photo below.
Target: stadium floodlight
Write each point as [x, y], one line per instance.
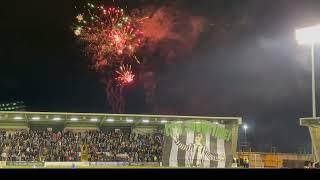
[35, 118]
[145, 121]
[18, 118]
[163, 121]
[56, 119]
[245, 127]
[310, 36]
[110, 120]
[129, 120]
[74, 119]
[94, 120]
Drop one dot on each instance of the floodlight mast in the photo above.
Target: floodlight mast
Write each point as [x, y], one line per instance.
[310, 36]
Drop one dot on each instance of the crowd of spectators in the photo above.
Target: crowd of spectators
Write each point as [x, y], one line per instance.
[101, 146]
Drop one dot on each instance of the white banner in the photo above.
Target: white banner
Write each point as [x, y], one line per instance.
[109, 163]
[46, 164]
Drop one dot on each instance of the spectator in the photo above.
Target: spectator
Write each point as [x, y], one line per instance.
[35, 145]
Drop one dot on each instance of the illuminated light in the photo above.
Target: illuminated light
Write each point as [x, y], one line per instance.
[215, 123]
[94, 120]
[198, 122]
[35, 118]
[179, 122]
[129, 120]
[110, 120]
[145, 121]
[163, 121]
[18, 118]
[308, 35]
[74, 119]
[56, 119]
[245, 127]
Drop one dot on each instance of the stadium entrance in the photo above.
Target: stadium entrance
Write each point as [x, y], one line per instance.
[105, 140]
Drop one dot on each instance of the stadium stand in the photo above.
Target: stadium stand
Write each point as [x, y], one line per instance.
[96, 146]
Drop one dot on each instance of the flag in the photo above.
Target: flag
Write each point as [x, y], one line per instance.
[197, 149]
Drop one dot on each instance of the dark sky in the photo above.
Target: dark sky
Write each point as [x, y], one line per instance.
[246, 63]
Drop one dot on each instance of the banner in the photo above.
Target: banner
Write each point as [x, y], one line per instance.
[84, 153]
[69, 163]
[148, 164]
[109, 163]
[24, 163]
[197, 144]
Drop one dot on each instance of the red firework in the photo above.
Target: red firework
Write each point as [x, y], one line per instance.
[110, 35]
[125, 75]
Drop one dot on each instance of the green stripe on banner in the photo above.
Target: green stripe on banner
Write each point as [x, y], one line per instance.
[199, 127]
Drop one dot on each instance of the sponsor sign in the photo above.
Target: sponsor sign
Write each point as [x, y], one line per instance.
[24, 163]
[108, 163]
[66, 164]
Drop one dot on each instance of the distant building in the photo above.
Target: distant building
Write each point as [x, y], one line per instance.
[12, 106]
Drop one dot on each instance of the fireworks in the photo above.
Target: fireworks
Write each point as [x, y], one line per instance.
[125, 75]
[110, 35]
[112, 38]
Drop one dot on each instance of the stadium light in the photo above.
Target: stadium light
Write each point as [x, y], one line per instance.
[145, 121]
[94, 120]
[18, 118]
[56, 119]
[245, 127]
[310, 36]
[35, 118]
[74, 119]
[163, 121]
[129, 120]
[110, 120]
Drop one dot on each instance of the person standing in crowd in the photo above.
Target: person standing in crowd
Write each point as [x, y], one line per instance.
[35, 145]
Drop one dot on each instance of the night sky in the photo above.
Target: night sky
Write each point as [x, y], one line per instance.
[246, 63]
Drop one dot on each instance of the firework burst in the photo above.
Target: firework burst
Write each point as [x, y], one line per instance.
[125, 75]
[109, 34]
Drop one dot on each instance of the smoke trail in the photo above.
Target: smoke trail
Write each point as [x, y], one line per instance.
[171, 32]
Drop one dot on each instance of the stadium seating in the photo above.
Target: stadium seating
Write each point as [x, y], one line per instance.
[97, 146]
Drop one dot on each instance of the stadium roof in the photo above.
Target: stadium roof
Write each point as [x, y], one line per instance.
[312, 122]
[91, 119]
